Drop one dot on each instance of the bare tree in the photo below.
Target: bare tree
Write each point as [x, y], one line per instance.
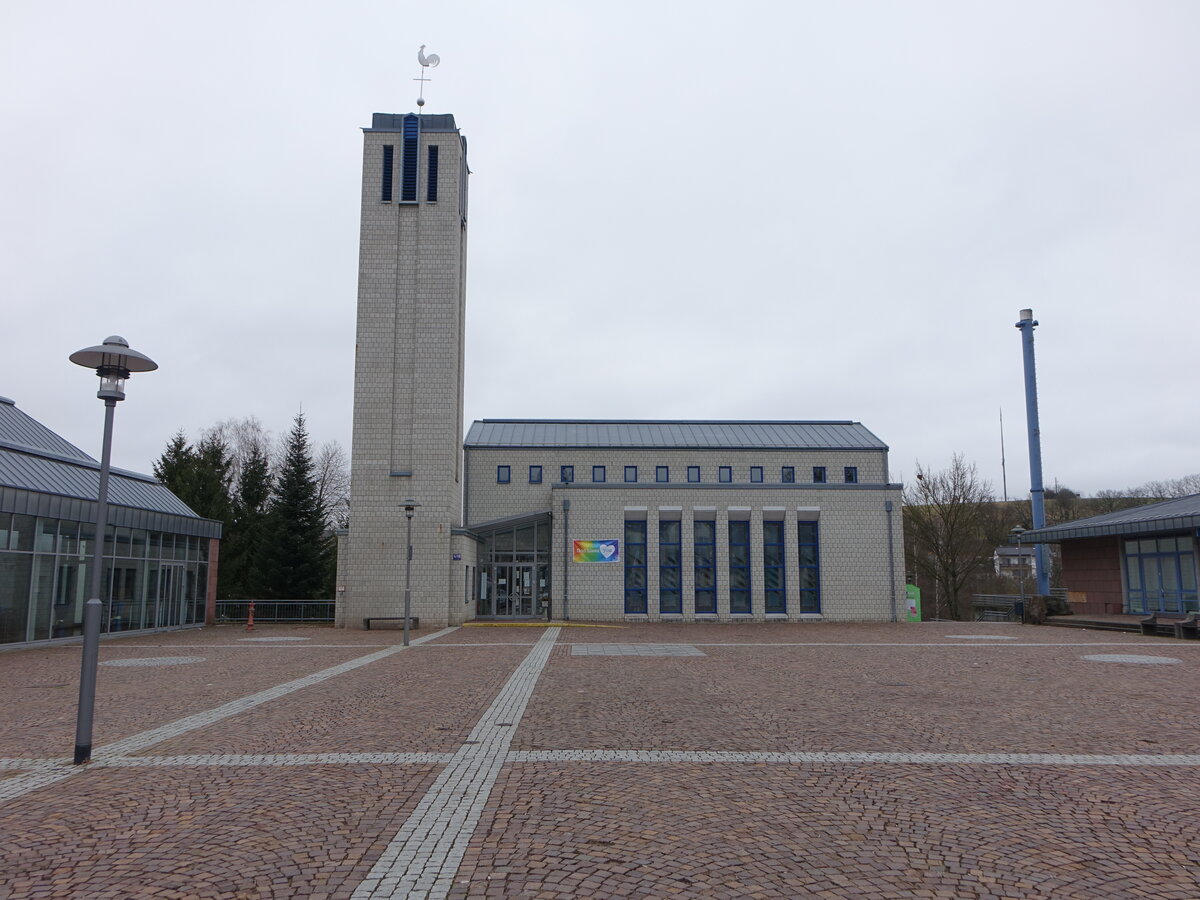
[332, 471]
[948, 523]
[244, 438]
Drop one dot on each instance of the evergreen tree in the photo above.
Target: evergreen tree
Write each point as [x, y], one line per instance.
[241, 575]
[294, 551]
[199, 476]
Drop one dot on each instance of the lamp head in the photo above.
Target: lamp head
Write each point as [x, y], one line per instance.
[409, 507]
[113, 362]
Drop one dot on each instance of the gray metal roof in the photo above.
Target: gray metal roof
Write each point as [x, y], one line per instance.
[36, 460]
[18, 430]
[645, 434]
[1180, 514]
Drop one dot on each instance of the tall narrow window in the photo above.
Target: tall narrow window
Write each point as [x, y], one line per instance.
[694, 474]
[598, 474]
[810, 575]
[408, 164]
[756, 475]
[389, 154]
[705, 545]
[670, 567]
[818, 474]
[739, 567]
[431, 175]
[503, 474]
[662, 474]
[787, 474]
[725, 474]
[850, 475]
[566, 474]
[635, 567]
[535, 474]
[631, 474]
[774, 569]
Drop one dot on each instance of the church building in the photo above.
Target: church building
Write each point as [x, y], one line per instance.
[595, 520]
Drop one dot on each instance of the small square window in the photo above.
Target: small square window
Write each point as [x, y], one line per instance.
[598, 476]
[850, 475]
[756, 474]
[503, 474]
[566, 474]
[818, 474]
[788, 474]
[631, 474]
[662, 473]
[694, 474]
[535, 474]
[725, 474]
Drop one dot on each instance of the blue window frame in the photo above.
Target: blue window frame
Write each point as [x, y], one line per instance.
[566, 474]
[598, 475]
[704, 543]
[503, 474]
[810, 568]
[787, 475]
[389, 155]
[850, 474]
[818, 474]
[662, 473]
[635, 567]
[774, 568]
[431, 179]
[631, 474]
[1160, 575]
[693, 474]
[739, 567]
[535, 474]
[670, 566]
[725, 474]
[756, 474]
[408, 163]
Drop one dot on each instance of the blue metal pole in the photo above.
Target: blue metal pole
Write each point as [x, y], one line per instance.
[1037, 493]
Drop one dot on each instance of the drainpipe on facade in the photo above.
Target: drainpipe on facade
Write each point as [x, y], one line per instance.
[566, 555]
[887, 505]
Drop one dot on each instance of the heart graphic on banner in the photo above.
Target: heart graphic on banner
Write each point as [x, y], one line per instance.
[607, 550]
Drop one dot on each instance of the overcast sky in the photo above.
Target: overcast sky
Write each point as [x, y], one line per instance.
[786, 210]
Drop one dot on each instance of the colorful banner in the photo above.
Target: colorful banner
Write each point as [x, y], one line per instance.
[914, 603]
[597, 551]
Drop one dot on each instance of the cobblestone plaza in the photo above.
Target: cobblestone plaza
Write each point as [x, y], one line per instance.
[780, 760]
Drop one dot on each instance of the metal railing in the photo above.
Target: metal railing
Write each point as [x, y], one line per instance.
[276, 610]
[996, 607]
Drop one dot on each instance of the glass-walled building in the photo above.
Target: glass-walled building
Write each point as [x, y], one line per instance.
[160, 558]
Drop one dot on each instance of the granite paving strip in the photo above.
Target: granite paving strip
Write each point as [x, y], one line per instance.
[559, 831]
[421, 860]
[832, 756]
[31, 781]
[280, 759]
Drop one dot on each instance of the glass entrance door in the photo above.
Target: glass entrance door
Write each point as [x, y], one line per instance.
[507, 591]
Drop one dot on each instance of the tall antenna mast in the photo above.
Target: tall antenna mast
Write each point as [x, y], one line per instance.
[1003, 470]
[427, 62]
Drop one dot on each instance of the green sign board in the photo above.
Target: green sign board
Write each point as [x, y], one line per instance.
[913, 595]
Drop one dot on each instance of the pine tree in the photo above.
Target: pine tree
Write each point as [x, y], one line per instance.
[241, 571]
[293, 556]
[199, 476]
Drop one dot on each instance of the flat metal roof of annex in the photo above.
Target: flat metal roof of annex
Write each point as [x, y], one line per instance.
[686, 434]
[1179, 514]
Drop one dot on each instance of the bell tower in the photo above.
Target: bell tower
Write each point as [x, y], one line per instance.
[408, 375]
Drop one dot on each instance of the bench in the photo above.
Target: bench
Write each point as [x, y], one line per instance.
[1188, 628]
[1150, 625]
[413, 621]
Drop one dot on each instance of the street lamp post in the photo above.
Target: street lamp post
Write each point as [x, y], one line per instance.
[410, 507]
[113, 362]
[1016, 533]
